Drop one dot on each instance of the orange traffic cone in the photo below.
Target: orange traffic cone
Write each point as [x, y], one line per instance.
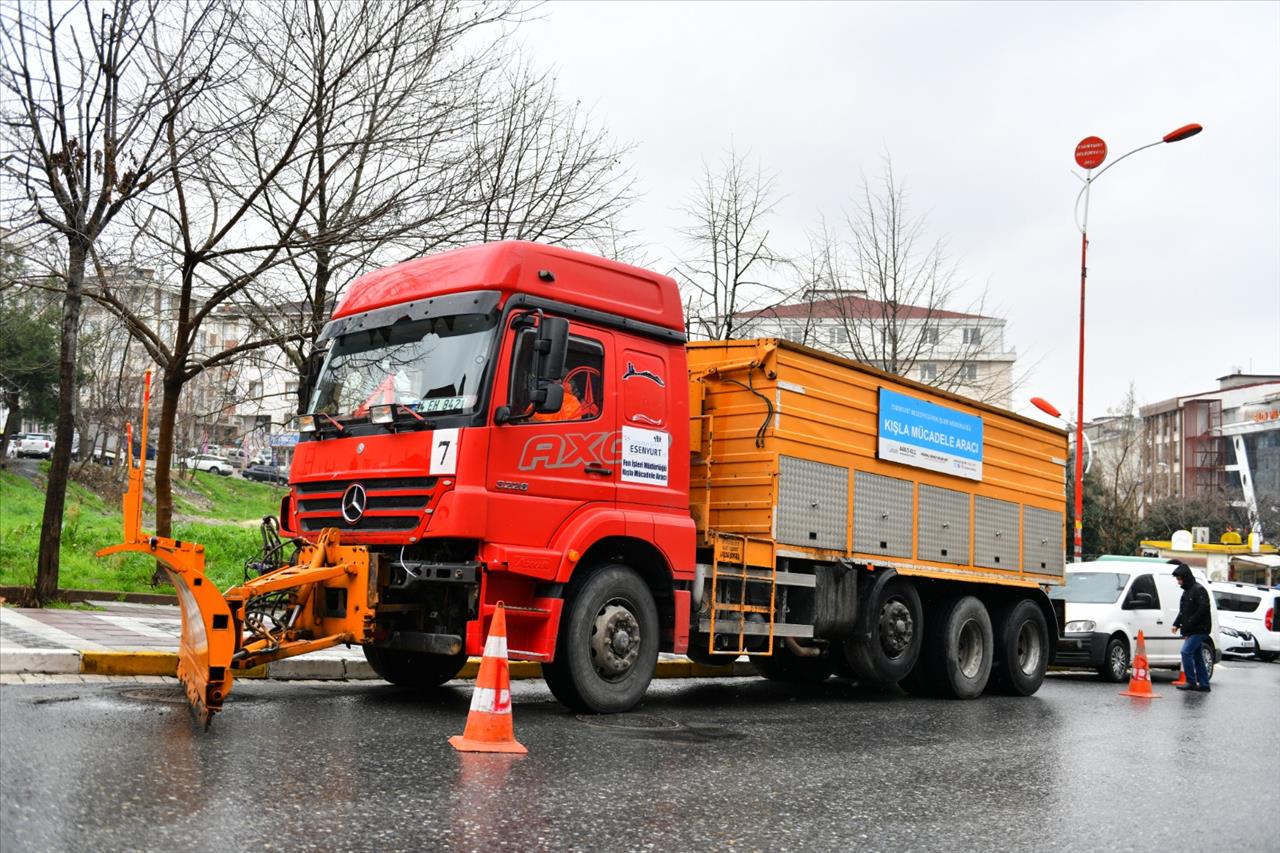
[1182, 677]
[489, 726]
[1140, 683]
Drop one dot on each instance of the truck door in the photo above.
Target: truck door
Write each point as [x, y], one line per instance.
[544, 468]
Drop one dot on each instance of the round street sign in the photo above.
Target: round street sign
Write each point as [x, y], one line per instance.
[1091, 152]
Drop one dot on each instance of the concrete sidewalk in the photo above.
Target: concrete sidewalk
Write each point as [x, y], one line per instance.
[129, 639]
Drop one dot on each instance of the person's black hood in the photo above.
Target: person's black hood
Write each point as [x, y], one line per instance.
[1184, 573]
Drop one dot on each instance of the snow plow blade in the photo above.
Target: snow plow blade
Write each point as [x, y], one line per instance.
[208, 635]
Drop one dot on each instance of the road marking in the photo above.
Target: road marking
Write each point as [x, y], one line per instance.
[48, 633]
[138, 626]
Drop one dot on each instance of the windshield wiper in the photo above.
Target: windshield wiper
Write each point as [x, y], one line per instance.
[396, 421]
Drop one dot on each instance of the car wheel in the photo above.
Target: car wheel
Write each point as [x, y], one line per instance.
[1115, 660]
[1206, 653]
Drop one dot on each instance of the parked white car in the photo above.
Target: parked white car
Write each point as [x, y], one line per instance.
[1251, 610]
[36, 445]
[1109, 600]
[206, 462]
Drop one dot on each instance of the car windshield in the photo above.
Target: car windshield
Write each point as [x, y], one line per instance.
[433, 364]
[1091, 587]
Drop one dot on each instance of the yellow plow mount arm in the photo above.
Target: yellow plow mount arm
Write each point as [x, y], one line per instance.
[326, 598]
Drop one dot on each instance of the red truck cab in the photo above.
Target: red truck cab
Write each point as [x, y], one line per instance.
[509, 422]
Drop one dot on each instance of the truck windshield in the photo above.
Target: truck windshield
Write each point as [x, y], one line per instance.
[431, 364]
[1091, 587]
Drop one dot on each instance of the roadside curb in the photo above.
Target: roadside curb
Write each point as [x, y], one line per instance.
[133, 663]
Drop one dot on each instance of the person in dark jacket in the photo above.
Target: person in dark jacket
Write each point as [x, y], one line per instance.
[1195, 621]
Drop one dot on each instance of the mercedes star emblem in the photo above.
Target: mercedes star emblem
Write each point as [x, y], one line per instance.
[354, 500]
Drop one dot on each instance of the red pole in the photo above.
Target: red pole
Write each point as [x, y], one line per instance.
[1079, 483]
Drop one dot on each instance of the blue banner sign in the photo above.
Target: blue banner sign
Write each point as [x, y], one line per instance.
[926, 435]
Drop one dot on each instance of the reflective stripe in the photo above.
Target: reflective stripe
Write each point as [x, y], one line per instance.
[495, 646]
[491, 701]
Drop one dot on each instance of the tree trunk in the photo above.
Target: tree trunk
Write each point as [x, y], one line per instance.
[171, 389]
[56, 488]
[12, 402]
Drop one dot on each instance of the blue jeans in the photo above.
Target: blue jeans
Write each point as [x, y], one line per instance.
[1193, 660]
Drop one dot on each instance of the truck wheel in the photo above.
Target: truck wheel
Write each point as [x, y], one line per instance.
[413, 669]
[1021, 649]
[1115, 660]
[961, 647]
[897, 634]
[608, 643]
[785, 665]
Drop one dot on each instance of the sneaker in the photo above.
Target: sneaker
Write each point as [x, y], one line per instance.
[1191, 687]
[1204, 689]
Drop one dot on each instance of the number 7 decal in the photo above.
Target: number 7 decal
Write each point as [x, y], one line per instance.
[444, 452]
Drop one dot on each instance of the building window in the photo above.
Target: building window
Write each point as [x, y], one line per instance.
[929, 334]
[973, 335]
[928, 372]
[838, 336]
[969, 372]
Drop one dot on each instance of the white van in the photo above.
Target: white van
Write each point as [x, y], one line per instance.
[1109, 600]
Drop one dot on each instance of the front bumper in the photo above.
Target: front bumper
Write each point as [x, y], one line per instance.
[1081, 651]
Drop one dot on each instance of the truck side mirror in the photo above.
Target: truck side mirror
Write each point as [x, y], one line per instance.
[549, 397]
[552, 348]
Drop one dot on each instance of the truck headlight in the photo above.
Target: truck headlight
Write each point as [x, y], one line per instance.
[382, 415]
[1080, 626]
[306, 423]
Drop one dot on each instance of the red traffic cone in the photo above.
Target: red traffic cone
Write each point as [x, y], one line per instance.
[489, 727]
[1140, 683]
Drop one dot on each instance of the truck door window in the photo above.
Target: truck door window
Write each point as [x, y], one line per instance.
[583, 379]
[1142, 595]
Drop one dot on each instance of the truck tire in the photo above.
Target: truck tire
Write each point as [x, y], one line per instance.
[1021, 649]
[897, 634]
[607, 646]
[958, 651]
[785, 665]
[1115, 660]
[413, 669]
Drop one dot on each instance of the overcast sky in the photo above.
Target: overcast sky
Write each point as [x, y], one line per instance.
[980, 107]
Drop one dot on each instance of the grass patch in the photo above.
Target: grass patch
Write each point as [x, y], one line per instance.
[225, 510]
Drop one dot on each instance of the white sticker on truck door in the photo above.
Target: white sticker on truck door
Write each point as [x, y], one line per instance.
[645, 455]
[444, 452]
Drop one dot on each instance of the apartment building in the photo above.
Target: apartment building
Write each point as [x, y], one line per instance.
[965, 353]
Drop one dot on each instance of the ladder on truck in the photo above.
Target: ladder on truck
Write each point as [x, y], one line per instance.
[735, 585]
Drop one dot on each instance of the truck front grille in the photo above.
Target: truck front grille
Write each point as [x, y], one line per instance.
[320, 503]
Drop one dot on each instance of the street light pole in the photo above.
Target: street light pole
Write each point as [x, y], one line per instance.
[1090, 154]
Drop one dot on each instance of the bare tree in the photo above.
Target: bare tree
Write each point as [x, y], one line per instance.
[387, 89]
[724, 276]
[1117, 443]
[422, 138]
[92, 95]
[889, 289]
[539, 170]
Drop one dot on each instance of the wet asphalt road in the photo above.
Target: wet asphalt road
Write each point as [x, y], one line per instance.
[723, 763]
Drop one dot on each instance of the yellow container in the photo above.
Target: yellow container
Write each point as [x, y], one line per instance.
[791, 446]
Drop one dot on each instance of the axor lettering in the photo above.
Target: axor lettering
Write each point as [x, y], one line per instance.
[570, 450]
